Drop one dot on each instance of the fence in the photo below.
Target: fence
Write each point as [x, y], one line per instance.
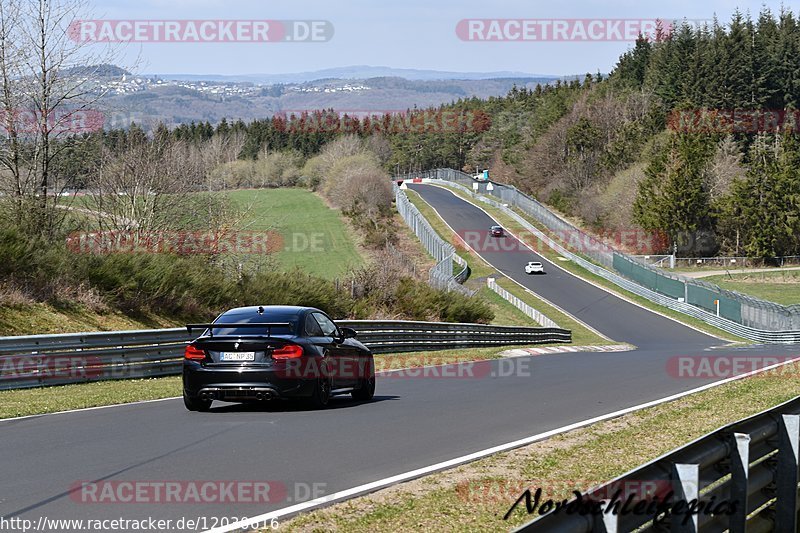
[742, 315]
[441, 276]
[735, 262]
[752, 463]
[43, 360]
[788, 337]
[740, 308]
[660, 261]
[539, 317]
[401, 259]
[596, 250]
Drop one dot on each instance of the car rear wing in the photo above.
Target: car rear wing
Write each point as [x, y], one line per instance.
[253, 325]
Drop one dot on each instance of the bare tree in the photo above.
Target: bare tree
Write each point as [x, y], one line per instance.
[146, 185]
[725, 168]
[47, 90]
[380, 146]
[220, 152]
[10, 62]
[346, 146]
[153, 192]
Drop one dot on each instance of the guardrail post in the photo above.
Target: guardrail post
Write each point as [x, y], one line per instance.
[606, 522]
[686, 483]
[788, 473]
[740, 475]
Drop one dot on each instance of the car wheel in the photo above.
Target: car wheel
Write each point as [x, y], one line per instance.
[321, 396]
[196, 404]
[366, 390]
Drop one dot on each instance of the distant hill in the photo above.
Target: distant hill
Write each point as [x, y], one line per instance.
[149, 100]
[359, 72]
[103, 71]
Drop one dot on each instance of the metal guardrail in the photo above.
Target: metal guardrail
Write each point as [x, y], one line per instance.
[740, 330]
[534, 314]
[753, 463]
[44, 360]
[441, 276]
[465, 273]
[741, 308]
[410, 336]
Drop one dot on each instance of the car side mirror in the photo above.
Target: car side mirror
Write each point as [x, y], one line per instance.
[348, 333]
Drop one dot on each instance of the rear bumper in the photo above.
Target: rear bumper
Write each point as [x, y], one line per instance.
[242, 384]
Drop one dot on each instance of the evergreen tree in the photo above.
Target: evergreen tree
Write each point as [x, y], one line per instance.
[787, 66]
[674, 196]
[765, 206]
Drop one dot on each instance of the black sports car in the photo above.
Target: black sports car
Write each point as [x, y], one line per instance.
[272, 352]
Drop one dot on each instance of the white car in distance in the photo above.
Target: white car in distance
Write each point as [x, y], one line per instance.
[534, 267]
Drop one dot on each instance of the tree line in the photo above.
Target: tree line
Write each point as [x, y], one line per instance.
[630, 149]
[724, 179]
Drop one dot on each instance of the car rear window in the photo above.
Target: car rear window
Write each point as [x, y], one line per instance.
[252, 317]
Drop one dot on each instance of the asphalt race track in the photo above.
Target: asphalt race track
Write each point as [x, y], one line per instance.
[413, 422]
[609, 315]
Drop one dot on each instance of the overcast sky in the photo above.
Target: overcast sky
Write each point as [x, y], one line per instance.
[419, 34]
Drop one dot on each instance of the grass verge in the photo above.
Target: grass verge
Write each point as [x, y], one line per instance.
[780, 287]
[542, 249]
[581, 335]
[314, 236]
[24, 402]
[476, 496]
[43, 319]
[738, 268]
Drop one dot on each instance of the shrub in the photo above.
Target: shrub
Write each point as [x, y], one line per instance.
[418, 301]
[295, 288]
[456, 307]
[194, 288]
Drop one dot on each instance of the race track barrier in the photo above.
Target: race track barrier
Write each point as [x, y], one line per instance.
[45, 360]
[752, 463]
[699, 298]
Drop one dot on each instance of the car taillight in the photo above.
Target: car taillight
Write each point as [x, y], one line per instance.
[290, 351]
[194, 354]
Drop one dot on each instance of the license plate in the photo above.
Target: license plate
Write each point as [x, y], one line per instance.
[238, 356]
